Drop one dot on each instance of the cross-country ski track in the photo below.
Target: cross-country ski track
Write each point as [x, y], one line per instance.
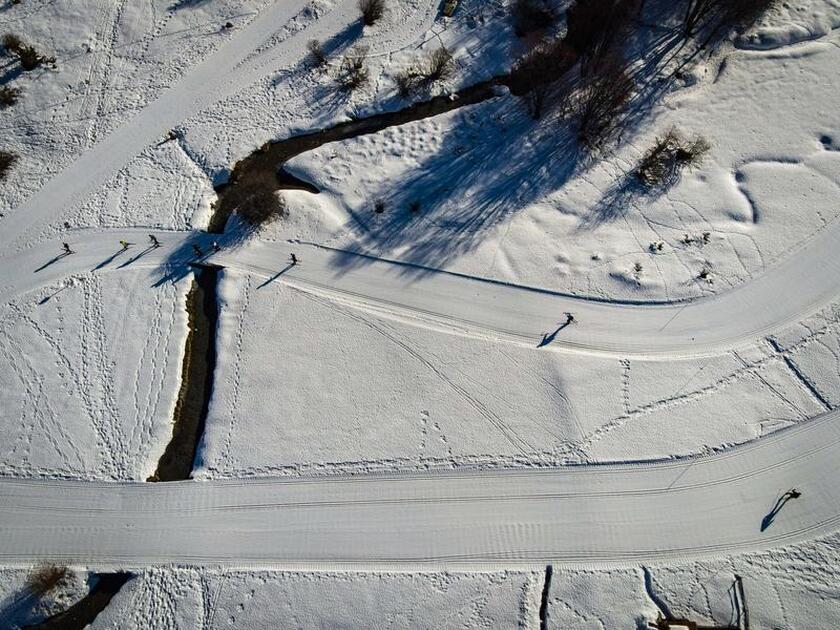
[585, 515]
[802, 283]
[579, 515]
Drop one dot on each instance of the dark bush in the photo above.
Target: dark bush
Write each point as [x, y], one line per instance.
[353, 73]
[254, 198]
[408, 81]
[372, 11]
[7, 161]
[317, 52]
[379, 206]
[8, 96]
[46, 578]
[440, 65]
[31, 58]
[662, 164]
[530, 16]
[12, 42]
[27, 55]
[690, 154]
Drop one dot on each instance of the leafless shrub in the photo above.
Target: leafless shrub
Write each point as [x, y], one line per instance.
[317, 52]
[662, 164]
[372, 11]
[600, 103]
[530, 16]
[408, 81]
[45, 578]
[414, 207]
[379, 206]
[438, 66]
[8, 96]
[353, 73]
[28, 56]
[31, 58]
[691, 153]
[7, 161]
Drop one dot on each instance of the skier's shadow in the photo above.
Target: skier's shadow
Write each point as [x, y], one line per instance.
[276, 275]
[767, 521]
[137, 257]
[110, 259]
[549, 337]
[52, 261]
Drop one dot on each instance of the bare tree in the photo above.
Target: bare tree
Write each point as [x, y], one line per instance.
[601, 101]
[372, 11]
[595, 28]
[46, 578]
[440, 65]
[252, 194]
[353, 73]
[533, 74]
[27, 55]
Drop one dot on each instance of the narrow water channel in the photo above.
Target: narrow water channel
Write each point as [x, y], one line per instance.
[198, 366]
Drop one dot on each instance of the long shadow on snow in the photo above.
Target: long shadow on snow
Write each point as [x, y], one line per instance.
[494, 161]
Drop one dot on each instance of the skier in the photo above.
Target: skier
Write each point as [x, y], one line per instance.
[793, 493]
[294, 260]
[154, 241]
[570, 318]
[216, 247]
[125, 245]
[197, 250]
[67, 250]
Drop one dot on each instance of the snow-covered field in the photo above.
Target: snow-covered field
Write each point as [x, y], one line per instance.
[348, 366]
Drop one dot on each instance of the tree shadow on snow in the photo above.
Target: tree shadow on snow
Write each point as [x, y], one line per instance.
[494, 161]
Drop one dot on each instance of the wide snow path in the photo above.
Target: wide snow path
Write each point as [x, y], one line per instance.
[802, 283]
[588, 515]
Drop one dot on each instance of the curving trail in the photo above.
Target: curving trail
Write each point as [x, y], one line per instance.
[799, 285]
[584, 515]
